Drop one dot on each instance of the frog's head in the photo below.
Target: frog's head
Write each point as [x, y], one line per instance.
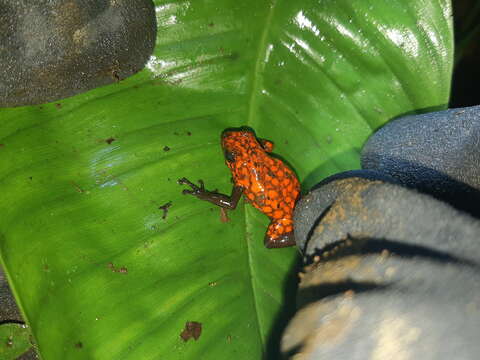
[238, 143]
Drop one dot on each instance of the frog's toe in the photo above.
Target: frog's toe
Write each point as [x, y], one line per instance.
[185, 181]
[194, 188]
[182, 181]
[279, 234]
[281, 241]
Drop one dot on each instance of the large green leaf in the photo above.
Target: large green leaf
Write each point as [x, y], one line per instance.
[97, 272]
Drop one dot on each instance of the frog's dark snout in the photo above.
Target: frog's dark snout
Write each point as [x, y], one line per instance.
[242, 129]
[225, 134]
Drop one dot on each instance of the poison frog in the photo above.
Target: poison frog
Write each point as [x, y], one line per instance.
[266, 181]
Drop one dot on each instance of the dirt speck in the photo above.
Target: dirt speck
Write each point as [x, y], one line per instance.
[78, 188]
[115, 75]
[79, 345]
[165, 208]
[331, 271]
[122, 270]
[193, 329]
[2, 145]
[58, 105]
[224, 215]
[189, 133]
[211, 24]
[110, 140]
[335, 214]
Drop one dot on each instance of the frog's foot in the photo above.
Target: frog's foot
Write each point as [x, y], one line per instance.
[279, 234]
[284, 240]
[196, 190]
[225, 201]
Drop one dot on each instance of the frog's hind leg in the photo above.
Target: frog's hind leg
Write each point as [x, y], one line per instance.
[279, 234]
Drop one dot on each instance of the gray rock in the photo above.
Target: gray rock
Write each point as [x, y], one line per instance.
[395, 274]
[54, 49]
[437, 153]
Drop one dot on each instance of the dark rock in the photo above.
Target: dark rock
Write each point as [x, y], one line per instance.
[9, 311]
[54, 49]
[310, 207]
[393, 274]
[437, 153]
[366, 208]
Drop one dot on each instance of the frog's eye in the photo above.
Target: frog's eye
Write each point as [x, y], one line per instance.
[230, 156]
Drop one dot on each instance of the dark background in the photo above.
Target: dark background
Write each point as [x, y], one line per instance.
[466, 75]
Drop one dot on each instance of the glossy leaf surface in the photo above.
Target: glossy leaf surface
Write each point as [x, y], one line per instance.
[82, 238]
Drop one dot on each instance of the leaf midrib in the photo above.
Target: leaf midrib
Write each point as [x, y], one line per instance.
[252, 104]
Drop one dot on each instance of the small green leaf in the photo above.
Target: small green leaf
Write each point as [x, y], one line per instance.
[14, 340]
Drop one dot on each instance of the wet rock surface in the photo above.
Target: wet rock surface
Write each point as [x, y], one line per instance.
[392, 252]
[392, 271]
[50, 50]
[357, 207]
[8, 308]
[436, 153]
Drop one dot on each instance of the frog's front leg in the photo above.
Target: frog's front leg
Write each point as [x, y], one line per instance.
[222, 200]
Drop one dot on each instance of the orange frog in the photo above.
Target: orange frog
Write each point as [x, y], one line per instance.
[268, 184]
